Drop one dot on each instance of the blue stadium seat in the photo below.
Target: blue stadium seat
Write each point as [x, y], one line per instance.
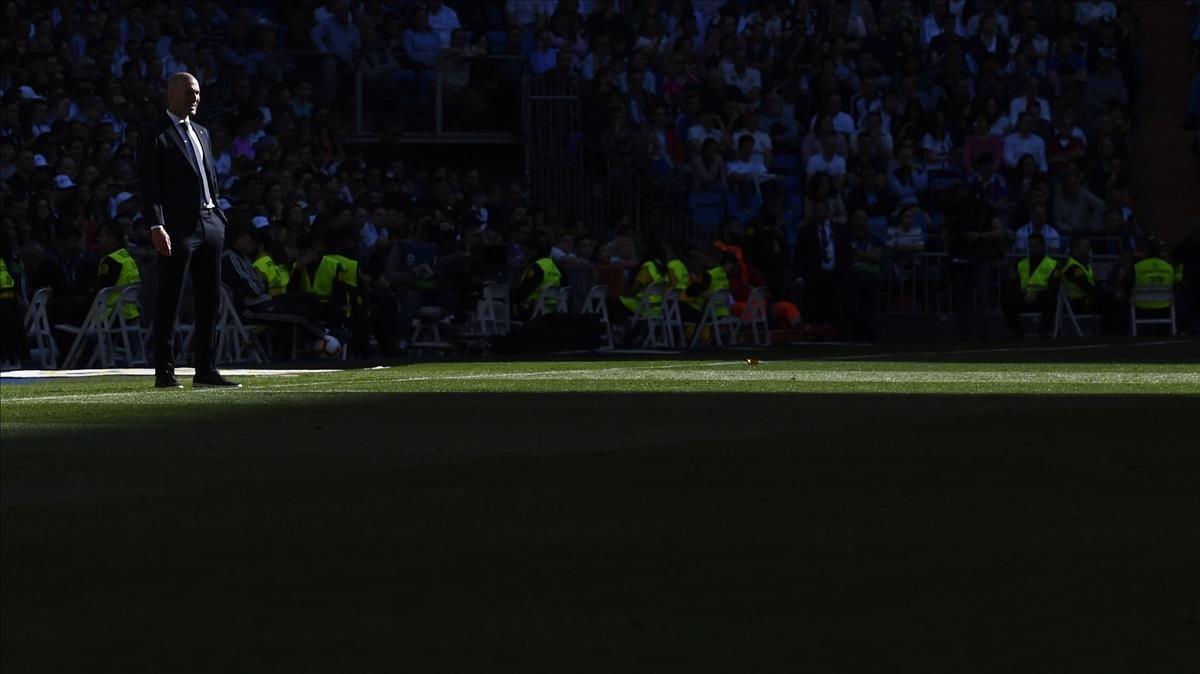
[743, 207]
[706, 209]
[786, 164]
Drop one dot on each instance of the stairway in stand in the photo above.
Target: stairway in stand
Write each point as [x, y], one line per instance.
[1166, 176]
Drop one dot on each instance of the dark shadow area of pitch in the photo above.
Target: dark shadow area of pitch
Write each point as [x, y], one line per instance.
[582, 532]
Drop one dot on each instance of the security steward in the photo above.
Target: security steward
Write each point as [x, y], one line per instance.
[273, 268]
[1085, 295]
[653, 271]
[712, 277]
[1035, 288]
[117, 268]
[1154, 270]
[538, 276]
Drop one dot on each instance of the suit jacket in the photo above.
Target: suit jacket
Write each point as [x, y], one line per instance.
[170, 184]
[810, 252]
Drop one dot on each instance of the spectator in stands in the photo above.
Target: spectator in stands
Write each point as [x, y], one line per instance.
[866, 273]
[1076, 209]
[906, 236]
[544, 55]
[746, 171]
[828, 162]
[337, 37]
[1103, 85]
[822, 190]
[1050, 238]
[907, 182]
[708, 169]
[981, 141]
[442, 19]
[1023, 142]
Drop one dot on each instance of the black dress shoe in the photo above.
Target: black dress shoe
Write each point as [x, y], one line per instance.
[213, 380]
[166, 381]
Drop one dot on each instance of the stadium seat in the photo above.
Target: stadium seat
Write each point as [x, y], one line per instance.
[1064, 311]
[706, 209]
[596, 303]
[37, 330]
[673, 319]
[1151, 293]
[744, 207]
[96, 327]
[754, 316]
[785, 164]
[710, 321]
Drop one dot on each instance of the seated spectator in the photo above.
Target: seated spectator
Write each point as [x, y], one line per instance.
[1028, 97]
[827, 161]
[709, 173]
[842, 122]
[824, 195]
[982, 141]
[987, 184]
[1037, 225]
[442, 19]
[1024, 142]
[706, 129]
[1076, 209]
[1104, 85]
[905, 236]
[811, 144]
[763, 149]
[543, 55]
[780, 124]
[907, 182]
[745, 171]
[873, 141]
[743, 77]
[937, 143]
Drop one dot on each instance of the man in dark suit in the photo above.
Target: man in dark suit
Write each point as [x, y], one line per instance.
[179, 197]
[822, 263]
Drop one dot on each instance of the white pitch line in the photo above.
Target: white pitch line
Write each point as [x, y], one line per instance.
[962, 352]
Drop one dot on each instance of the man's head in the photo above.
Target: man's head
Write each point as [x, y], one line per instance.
[1081, 248]
[745, 147]
[110, 237]
[183, 94]
[1025, 123]
[1153, 247]
[1037, 245]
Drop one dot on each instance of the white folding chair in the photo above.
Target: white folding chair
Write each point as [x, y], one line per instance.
[564, 300]
[672, 318]
[234, 340]
[96, 325]
[755, 315]
[37, 329]
[1064, 311]
[710, 320]
[128, 331]
[493, 313]
[1151, 293]
[546, 299]
[651, 316]
[596, 302]
[427, 333]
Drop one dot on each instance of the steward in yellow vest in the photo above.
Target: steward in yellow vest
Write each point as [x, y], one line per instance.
[1153, 270]
[12, 326]
[275, 273]
[539, 275]
[1079, 279]
[333, 280]
[1035, 287]
[117, 268]
[652, 271]
[8, 284]
[711, 280]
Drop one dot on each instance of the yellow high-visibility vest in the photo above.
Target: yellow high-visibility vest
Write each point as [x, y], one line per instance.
[1075, 292]
[1153, 271]
[1039, 280]
[129, 275]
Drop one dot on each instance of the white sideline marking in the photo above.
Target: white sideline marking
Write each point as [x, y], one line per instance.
[962, 352]
[146, 372]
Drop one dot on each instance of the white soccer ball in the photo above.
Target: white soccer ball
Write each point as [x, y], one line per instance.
[327, 346]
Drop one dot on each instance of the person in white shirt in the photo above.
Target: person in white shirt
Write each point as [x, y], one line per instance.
[1037, 223]
[706, 129]
[442, 20]
[744, 170]
[1089, 12]
[828, 161]
[1026, 99]
[747, 79]
[1029, 33]
[1024, 142]
[842, 122]
[762, 140]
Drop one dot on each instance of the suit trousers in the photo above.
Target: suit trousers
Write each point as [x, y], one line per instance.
[200, 252]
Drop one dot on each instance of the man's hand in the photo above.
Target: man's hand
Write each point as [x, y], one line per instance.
[162, 241]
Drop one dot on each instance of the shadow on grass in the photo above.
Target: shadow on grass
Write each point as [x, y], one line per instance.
[711, 532]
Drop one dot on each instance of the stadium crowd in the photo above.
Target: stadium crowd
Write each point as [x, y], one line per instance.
[840, 139]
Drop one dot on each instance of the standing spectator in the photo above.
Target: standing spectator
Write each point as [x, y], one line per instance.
[442, 19]
[337, 37]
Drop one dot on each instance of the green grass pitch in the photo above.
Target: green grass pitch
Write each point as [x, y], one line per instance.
[1013, 508]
